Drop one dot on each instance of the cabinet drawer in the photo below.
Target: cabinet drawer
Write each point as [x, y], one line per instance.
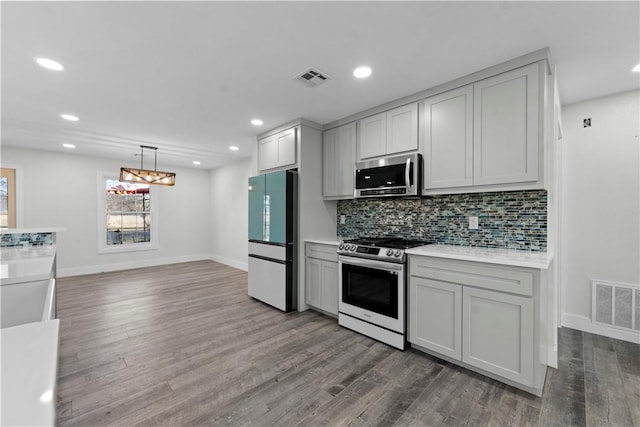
[320, 251]
[496, 277]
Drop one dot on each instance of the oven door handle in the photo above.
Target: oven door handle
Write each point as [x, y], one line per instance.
[379, 265]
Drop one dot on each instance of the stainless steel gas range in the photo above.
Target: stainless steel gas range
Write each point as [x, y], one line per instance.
[372, 287]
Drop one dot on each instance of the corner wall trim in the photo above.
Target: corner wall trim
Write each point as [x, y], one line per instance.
[584, 324]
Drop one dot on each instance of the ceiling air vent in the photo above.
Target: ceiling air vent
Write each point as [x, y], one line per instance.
[312, 77]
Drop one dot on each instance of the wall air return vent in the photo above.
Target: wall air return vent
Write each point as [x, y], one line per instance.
[312, 77]
[615, 304]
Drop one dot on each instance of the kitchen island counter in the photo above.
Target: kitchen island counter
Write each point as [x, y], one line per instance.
[26, 264]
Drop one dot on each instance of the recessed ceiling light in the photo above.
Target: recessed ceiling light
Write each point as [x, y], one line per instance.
[49, 64]
[636, 68]
[69, 117]
[233, 148]
[362, 72]
[68, 146]
[195, 162]
[257, 122]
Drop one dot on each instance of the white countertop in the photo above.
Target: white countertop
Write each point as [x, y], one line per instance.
[29, 365]
[26, 264]
[32, 230]
[323, 241]
[487, 255]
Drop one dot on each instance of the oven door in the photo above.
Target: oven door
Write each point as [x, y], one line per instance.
[372, 291]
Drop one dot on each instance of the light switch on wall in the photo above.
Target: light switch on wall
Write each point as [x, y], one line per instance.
[343, 219]
[473, 223]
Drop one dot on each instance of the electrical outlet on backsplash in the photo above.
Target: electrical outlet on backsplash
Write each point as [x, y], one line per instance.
[510, 219]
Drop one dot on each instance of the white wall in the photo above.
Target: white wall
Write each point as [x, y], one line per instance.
[229, 213]
[600, 231]
[60, 190]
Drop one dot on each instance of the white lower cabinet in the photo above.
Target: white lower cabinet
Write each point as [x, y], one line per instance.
[498, 333]
[435, 320]
[321, 284]
[480, 316]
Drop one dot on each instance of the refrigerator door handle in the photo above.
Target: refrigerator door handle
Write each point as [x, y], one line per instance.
[279, 261]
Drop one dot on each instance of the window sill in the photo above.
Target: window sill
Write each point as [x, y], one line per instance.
[131, 247]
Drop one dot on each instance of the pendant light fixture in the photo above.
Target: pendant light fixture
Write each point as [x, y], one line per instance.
[146, 175]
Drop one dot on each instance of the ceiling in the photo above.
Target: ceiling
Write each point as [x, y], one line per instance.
[188, 77]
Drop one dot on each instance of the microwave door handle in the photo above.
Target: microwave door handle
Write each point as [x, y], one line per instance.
[407, 176]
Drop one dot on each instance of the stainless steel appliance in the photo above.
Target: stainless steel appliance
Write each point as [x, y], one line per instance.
[372, 287]
[272, 239]
[390, 176]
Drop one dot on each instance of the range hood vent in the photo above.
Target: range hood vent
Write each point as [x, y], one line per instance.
[312, 77]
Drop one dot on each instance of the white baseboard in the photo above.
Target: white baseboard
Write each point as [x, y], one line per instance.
[244, 266]
[104, 268]
[582, 323]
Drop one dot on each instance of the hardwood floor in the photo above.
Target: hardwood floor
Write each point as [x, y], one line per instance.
[184, 345]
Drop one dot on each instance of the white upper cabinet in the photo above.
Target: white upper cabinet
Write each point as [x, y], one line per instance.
[338, 158]
[394, 131]
[447, 127]
[506, 127]
[484, 135]
[402, 129]
[279, 150]
[267, 152]
[286, 145]
[373, 136]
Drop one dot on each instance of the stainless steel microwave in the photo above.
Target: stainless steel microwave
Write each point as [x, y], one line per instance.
[390, 176]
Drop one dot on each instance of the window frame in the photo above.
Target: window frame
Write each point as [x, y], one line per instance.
[103, 248]
[19, 190]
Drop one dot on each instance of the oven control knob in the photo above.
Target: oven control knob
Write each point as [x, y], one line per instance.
[397, 253]
[351, 247]
[341, 247]
[389, 252]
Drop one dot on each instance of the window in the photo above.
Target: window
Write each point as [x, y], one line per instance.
[8, 198]
[128, 214]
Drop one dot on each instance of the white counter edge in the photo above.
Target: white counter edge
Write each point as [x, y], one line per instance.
[321, 241]
[486, 255]
[32, 230]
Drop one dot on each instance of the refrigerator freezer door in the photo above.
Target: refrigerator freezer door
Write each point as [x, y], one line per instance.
[267, 281]
[275, 207]
[256, 207]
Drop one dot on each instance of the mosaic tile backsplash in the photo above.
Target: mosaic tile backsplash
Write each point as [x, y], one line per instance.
[512, 220]
[25, 239]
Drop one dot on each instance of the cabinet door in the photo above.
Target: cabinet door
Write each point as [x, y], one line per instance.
[338, 156]
[373, 136]
[314, 282]
[286, 147]
[330, 287]
[498, 334]
[435, 316]
[506, 127]
[346, 159]
[267, 153]
[402, 129]
[448, 139]
[330, 163]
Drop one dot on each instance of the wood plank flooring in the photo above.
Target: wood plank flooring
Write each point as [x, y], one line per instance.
[183, 345]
